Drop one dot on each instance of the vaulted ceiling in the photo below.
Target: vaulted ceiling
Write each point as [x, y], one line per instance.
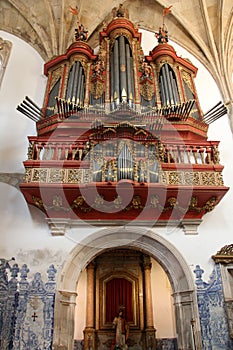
[203, 27]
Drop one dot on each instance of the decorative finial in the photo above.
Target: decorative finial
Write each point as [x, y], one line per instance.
[81, 33]
[162, 34]
[121, 11]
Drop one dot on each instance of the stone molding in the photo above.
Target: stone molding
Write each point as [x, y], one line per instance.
[12, 179]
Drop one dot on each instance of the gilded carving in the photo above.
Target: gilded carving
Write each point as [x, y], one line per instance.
[38, 202]
[78, 203]
[28, 175]
[56, 74]
[193, 204]
[57, 202]
[173, 204]
[210, 204]
[191, 178]
[117, 202]
[147, 91]
[99, 201]
[208, 178]
[154, 201]
[135, 204]
[187, 79]
[39, 175]
[56, 175]
[97, 88]
[98, 68]
[219, 179]
[30, 150]
[226, 250]
[224, 255]
[85, 175]
[119, 32]
[163, 177]
[160, 152]
[175, 178]
[216, 158]
[74, 175]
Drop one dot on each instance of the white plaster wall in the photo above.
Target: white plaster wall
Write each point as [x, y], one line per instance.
[163, 309]
[23, 76]
[24, 233]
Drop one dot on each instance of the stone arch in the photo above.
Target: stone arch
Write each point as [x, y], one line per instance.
[137, 238]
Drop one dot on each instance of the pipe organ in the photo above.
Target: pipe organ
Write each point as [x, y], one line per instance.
[168, 86]
[75, 90]
[117, 120]
[121, 72]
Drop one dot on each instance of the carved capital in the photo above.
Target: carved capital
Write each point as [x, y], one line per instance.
[224, 255]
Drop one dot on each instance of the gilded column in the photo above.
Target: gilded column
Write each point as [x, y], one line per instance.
[148, 295]
[89, 332]
[149, 331]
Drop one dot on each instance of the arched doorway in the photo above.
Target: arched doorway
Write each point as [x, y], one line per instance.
[120, 284]
[153, 245]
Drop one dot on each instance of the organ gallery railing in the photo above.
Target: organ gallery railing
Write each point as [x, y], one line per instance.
[62, 150]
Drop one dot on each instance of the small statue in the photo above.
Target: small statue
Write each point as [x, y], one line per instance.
[146, 70]
[81, 33]
[162, 36]
[121, 11]
[122, 331]
[98, 68]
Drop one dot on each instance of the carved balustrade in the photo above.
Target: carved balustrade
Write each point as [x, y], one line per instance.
[172, 153]
[192, 154]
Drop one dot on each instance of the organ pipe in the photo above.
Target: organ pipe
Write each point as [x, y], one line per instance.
[112, 79]
[162, 91]
[75, 81]
[164, 80]
[80, 70]
[168, 87]
[122, 57]
[116, 93]
[70, 82]
[167, 77]
[122, 81]
[173, 86]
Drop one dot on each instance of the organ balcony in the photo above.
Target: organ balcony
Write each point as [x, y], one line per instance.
[121, 137]
[121, 172]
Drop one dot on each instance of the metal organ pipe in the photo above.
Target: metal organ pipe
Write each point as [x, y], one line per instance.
[81, 99]
[167, 102]
[167, 77]
[168, 86]
[116, 92]
[69, 84]
[162, 90]
[132, 79]
[129, 74]
[112, 78]
[121, 71]
[122, 58]
[75, 82]
[79, 84]
[175, 89]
